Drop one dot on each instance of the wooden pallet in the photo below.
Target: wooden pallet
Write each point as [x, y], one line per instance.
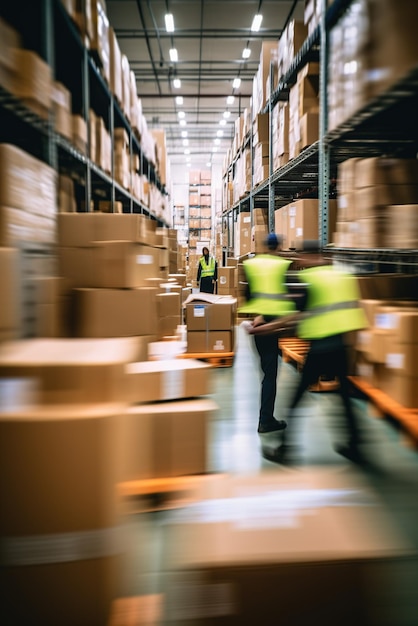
[406, 419]
[221, 359]
[169, 492]
[294, 351]
[143, 610]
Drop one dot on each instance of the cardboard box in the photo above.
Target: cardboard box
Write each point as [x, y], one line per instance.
[227, 277]
[168, 304]
[370, 200]
[402, 387]
[10, 297]
[71, 371]
[309, 128]
[123, 264]
[216, 341]
[166, 439]
[71, 446]
[247, 536]
[115, 312]
[210, 312]
[170, 379]
[22, 177]
[385, 171]
[33, 81]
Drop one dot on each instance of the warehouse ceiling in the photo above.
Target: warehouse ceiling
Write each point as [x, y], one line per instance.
[209, 36]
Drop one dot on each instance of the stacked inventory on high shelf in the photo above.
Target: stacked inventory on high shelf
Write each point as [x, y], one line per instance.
[199, 216]
[322, 124]
[73, 136]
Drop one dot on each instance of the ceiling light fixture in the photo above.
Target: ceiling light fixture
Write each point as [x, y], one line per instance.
[219, 133]
[236, 83]
[179, 99]
[174, 57]
[177, 83]
[208, 164]
[255, 26]
[222, 122]
[217, 142]
[187, 151]
[182, 122]
[169, 22]
[184, 133]
[246, 53]
[185, 142]
[214, 149]
[181, 115]
[230, 99]
[227, 114]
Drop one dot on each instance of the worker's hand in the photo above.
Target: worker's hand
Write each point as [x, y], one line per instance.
[258, 321]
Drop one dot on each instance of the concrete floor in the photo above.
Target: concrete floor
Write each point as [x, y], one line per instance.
[235, 448]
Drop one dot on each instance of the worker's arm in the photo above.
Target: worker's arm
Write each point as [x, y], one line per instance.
[278, 325]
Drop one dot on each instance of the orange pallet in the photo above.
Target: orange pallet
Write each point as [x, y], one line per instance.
[166, 492]
[143, 610]
[223, 359]
[406, 418]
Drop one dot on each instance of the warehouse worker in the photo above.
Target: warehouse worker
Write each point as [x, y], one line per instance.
[331, 310]
[207, 272]
[268, 299]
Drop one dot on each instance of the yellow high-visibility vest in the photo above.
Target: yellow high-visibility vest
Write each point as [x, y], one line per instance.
[266, 278]
[208, 269]
[332, 305]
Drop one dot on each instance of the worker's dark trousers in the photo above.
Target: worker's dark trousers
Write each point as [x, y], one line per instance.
[334, 363]
[268, 349]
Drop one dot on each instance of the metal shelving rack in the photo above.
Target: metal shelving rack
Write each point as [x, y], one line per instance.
[46, 28]
[387, 125]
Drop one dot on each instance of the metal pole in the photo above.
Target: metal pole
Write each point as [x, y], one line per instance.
[271, 186]
[324, 156]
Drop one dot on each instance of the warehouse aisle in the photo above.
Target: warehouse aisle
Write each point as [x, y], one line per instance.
[235, 448]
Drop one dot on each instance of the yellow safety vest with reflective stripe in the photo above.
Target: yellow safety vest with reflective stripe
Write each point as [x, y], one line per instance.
[266, 278]
[333, 303]
[208, 269]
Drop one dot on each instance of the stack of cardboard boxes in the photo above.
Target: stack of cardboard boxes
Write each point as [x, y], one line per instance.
[299, 221]
[386, 349]
[86, 415]
[377, 203]
[210, 321]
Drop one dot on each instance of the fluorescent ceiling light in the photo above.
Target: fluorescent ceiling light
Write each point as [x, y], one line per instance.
[219, 133]
[217, 142]
[187, 151]
[246, 53]
[227, 114]
[183, 122]
[236, 83]
[208, 164]
[230, 99]
[181, 115]
[255, 26]
[179, 99]
[169, 22]
[184, 133]
[222, 122]
[185, 142]
[214, 149]
[177, 83]
[173, 55]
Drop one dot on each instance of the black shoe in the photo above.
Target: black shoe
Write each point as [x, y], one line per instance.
[271, 427]
[283, 455]
[351, 453]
